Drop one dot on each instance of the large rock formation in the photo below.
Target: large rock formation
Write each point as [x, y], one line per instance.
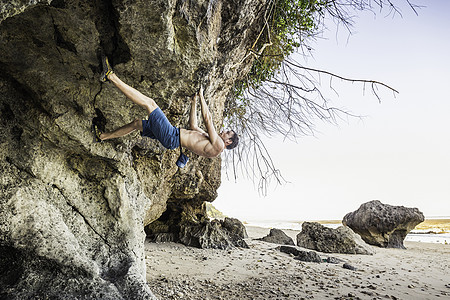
[340, 240]
[383, 225]
[72, 212]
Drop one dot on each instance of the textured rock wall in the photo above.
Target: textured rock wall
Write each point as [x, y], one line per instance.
[72, 212]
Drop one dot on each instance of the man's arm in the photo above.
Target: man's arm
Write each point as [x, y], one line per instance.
[207, 119]
[193, 125]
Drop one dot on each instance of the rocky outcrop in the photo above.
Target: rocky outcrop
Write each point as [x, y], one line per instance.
[216, 234]
[340, 240]
[277, 236]
[72, 212]
[383, 225]
[193, 228]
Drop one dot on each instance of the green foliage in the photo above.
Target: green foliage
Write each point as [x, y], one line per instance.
[288, 24]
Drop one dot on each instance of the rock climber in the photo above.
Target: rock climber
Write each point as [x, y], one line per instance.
[207, 144]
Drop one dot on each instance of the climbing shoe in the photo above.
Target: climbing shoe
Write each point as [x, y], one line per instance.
[106, 70]
[97, 132]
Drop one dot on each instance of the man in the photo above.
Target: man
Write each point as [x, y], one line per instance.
[208, 144]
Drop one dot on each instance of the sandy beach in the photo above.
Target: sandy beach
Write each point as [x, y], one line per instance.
[175, 271]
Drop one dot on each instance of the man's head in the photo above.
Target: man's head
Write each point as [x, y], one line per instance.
[230, 138]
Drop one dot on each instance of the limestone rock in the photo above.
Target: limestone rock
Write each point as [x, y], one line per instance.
[198, 232]
[234, 227]
[10, 8]
[277, 236]
[383, 225]
[213, 234]
[333, 260]
[213, 213]
[349, 267]
[307, 256]
[72, 211]
[340, 240]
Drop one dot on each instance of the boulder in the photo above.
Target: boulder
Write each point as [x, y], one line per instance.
[383, 225]
[277, 236]
[341, 240]
[72, 212]
[307, 256]
[211, 234]
[234, 227]
[197, 231]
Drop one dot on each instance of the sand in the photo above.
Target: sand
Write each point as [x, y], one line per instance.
[175, 271]
[436, 225]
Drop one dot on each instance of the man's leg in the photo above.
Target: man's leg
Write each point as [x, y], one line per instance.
[122, 131]
[133, 94]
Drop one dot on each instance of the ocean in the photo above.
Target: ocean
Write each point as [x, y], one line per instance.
[432, 230]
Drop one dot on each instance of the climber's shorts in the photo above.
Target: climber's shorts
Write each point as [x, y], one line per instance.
[158, 127]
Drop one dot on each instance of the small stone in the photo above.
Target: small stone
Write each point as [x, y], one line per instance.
[333, 260]
[349, 267]
[368, 293]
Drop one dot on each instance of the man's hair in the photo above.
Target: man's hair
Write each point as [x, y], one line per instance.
[234, 141]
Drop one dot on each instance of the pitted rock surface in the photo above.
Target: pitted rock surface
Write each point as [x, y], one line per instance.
[383, 225]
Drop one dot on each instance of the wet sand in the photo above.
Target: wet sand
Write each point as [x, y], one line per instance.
[175, 271]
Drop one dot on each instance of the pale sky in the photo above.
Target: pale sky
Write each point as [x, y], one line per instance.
[400, 152]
